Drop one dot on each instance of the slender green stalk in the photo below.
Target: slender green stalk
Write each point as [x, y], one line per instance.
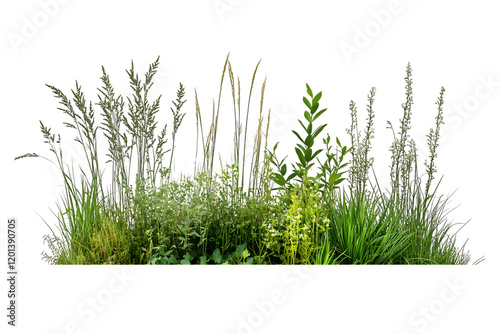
[432, 140]
[214, 125]
[178, 117]
[246, 122]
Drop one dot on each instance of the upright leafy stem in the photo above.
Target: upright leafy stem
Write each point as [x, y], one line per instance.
[304, 149]
[280, 177]
[329, 176]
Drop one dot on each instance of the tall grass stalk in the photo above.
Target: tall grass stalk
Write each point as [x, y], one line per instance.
[246, 122]
[199, 130]
[432, 142]
[118, 148]
[402, 148]
[141, 122]
[255, 164]
[361, 163]
[239, 158]
[177, 119]
[215, 121]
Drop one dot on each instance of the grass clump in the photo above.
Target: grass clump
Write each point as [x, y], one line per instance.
[321, 209]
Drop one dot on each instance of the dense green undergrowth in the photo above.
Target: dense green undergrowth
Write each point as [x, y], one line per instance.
[324, 207]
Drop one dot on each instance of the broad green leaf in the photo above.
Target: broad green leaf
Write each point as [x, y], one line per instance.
[167, 253]
[338, 181]
[291, 176]
[306, 102]
[185, 261]
[172, 259]
[279, 179]
[245, 254]
[301, 156]
[240, 249]
[313, 108]
[317, 98]
[316, 153]
[318, 131]
[194, 233]
[234, 256]
[298, 136]
[309, 91]
[217, 256]
[203, 259]
[331, 179]
[283, 170]
[319, 113]
[307, 116]
[308, 154]
[302, 147]
[309, 141]
[309, 128]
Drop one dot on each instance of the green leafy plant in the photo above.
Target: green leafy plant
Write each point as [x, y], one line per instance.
[330, 171]
[304, 148]
[297, 237]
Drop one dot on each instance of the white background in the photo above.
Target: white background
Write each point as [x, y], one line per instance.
[449, 43]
